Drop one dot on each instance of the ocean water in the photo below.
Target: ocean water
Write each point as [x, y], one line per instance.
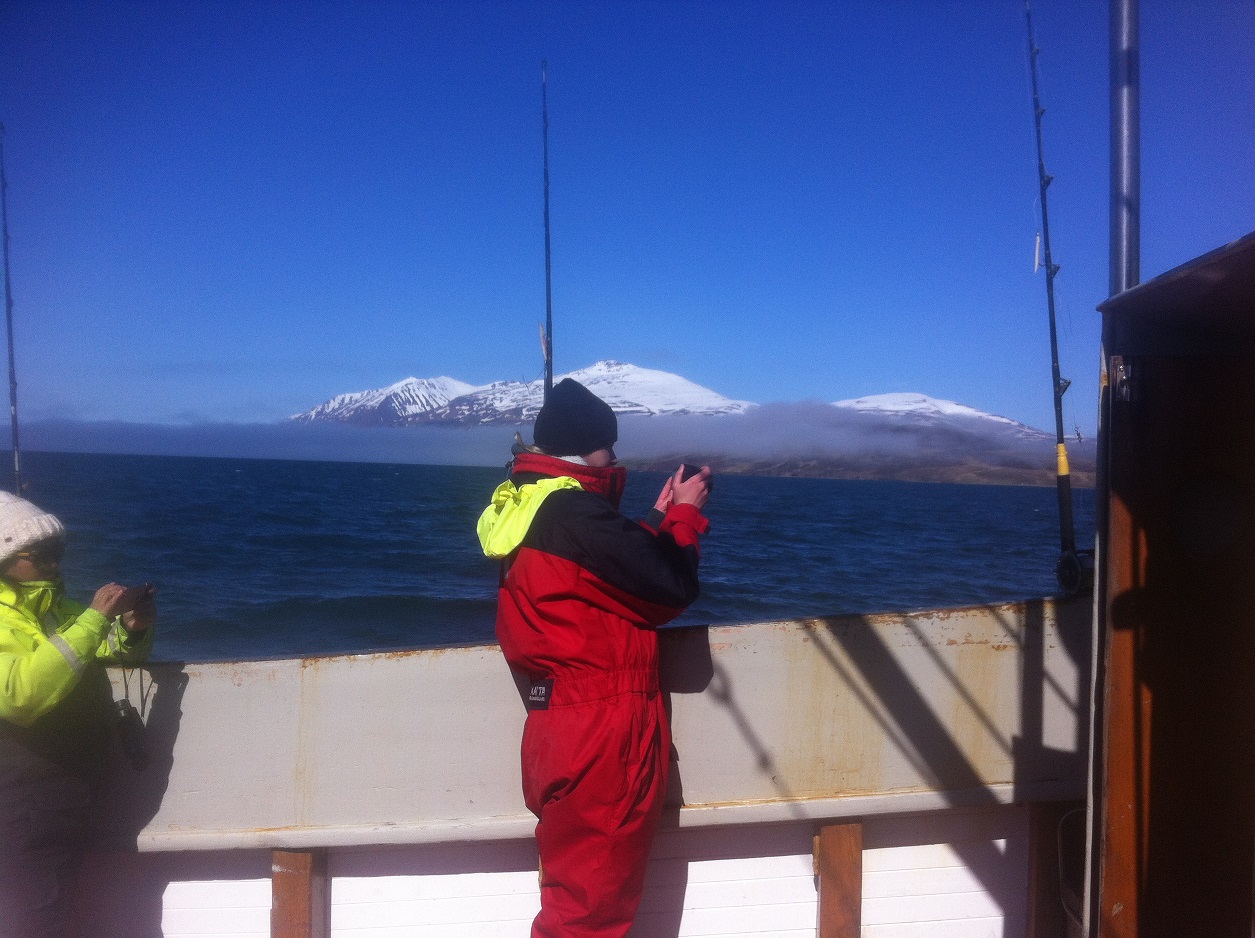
[267, 558]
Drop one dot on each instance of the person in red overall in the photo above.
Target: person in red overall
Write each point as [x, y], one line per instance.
[583, 589]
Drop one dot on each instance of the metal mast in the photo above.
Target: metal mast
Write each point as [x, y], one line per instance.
[1126, 213]
[1068, 568]
[1125, 273]
[547, 338]
[8, 315]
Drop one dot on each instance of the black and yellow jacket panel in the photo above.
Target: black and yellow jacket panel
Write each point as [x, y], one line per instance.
[584, 587]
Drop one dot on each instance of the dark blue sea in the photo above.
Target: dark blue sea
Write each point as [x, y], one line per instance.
[267, 558]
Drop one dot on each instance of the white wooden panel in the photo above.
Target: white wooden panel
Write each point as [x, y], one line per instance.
[725, 892]
[488, 930]
[495, 903]
[963, 928]
[757, 896]
[726, 882]
[922, 856]
[807, 931]
[739, 868]
[960, 874]
[928, 908]
[757, 920]
[350, 890]
[730, 882]
[929, 881]
[449, 912]
[218, 908]
[741, 895]
[731, 894]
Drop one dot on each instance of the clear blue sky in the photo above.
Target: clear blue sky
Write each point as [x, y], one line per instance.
[233, 211]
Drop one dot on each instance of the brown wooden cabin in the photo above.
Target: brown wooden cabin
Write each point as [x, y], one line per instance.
[1175, 785]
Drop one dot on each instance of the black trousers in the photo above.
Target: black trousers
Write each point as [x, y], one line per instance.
[44, 815]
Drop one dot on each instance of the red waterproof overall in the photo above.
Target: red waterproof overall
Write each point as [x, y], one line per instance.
[579, 601]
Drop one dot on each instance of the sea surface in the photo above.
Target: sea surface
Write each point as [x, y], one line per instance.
[270, 558]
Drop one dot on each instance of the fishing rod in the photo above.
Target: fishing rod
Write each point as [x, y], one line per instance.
[1069, 569]
[8, 315]
[546, 339]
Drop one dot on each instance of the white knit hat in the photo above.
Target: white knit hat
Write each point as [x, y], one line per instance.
[23, 525]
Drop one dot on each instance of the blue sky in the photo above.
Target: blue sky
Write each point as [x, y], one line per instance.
[230, 211]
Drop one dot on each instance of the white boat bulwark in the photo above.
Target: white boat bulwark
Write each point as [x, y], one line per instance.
[404, 766]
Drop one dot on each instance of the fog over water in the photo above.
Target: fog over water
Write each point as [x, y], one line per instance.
[804, 430]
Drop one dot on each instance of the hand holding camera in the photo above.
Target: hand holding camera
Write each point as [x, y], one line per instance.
[691, 485]
[135, 604]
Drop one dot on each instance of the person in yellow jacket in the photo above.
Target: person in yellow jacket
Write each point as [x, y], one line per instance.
[56, 714]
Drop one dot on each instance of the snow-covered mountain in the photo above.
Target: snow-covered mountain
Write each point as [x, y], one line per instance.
[920, 409]
[396, 405]
[903, 436]
[632, 390]
[629, 389]
[626, 388]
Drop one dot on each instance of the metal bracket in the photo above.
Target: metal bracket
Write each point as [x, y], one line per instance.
[1122, 379]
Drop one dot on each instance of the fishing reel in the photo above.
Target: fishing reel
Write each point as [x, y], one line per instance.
[1075, 571]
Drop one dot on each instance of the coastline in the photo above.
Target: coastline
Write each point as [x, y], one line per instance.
[876, 469]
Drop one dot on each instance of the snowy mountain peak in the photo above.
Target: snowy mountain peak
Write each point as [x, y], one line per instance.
[393, 404]
[911, 403]
[629, 389]
[626, 388]
[908, 405]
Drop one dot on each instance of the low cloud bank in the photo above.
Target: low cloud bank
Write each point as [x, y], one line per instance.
[830, 440]
[819, 430]
[807, 429]
[818, 440]
[475, 446]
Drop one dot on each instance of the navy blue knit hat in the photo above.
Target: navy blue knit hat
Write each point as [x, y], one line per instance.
[575, 422]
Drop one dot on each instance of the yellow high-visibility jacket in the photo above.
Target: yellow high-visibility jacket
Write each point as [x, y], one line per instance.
[47, 644]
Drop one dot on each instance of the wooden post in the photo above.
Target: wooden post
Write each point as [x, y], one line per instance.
[300, 896]
[839, 866]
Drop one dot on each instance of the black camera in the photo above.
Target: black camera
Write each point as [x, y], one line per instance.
[131, 734]
[688, 470]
